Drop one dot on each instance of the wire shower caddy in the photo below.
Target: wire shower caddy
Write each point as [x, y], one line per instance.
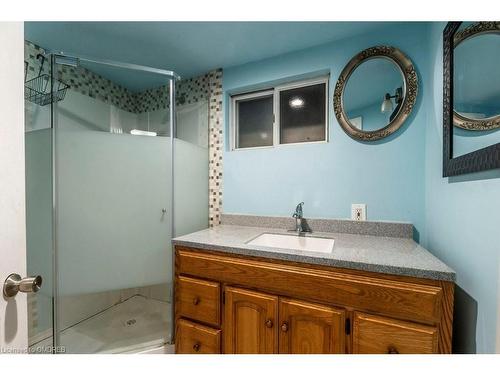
[37, 90]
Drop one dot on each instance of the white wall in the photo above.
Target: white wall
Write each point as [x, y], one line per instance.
[13, 317]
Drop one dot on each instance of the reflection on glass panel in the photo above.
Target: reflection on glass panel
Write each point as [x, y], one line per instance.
[476, 85]
[191, 171]
[192, 122]
[303, 114]
[373, 94]
[255, 122]
[87, 113]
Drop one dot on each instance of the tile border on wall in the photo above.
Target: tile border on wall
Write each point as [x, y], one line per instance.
[215, 148]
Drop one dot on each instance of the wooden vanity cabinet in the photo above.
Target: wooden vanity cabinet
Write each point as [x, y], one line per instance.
[238, 304]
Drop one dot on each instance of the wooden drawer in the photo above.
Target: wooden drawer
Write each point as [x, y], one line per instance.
[379, 335]
[401, 299]
[193, 338]
[198, 300]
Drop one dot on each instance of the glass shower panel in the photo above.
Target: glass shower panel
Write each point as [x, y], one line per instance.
[191, 166]
[39, 244]
[114, 215]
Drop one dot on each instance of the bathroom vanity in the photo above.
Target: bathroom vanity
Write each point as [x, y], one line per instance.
[376, 291]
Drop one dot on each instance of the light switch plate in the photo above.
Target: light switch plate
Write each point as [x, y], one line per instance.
[358, 211]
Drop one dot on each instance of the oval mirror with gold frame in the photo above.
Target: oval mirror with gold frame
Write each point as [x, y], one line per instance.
[467, 41]
[383, 82]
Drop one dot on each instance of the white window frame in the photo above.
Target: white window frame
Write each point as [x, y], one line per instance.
[275, 91]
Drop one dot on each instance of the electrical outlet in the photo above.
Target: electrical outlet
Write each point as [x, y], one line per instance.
[358, 211]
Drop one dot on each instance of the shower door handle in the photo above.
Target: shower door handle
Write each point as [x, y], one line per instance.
[14, 284]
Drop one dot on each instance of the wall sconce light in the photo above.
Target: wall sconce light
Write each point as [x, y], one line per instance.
[387, 106]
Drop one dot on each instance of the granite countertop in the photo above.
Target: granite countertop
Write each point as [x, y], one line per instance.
[389, 255]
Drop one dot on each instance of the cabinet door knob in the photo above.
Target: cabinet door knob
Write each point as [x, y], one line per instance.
[269, 323]
[196, 301]
[284, 327]
[196, 347]
[392, 350]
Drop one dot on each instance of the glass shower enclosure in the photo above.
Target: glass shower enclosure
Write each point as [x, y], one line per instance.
[128, 168]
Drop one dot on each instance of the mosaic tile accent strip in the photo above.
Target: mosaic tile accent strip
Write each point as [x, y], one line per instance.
[81, 80]
[188, 91]
[32, 313]
[93, 85]
[30, 53]
[215, 147]
[88, 83]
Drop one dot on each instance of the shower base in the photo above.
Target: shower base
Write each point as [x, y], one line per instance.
[135, 325]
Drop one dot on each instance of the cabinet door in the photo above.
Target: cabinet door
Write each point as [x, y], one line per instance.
[250, 320]
[307, 328]
[374, 334]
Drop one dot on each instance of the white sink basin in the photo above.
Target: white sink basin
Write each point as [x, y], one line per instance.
[285, 241]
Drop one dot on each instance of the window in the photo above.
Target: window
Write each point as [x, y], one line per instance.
[303, 114]
[254, 120]
[292, 113]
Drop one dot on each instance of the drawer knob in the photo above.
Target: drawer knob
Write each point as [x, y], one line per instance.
[196, 301]
[196, 347]
[392, 350]
[284, 327]
[269, 323]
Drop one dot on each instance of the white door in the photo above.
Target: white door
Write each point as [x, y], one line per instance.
[13, 312]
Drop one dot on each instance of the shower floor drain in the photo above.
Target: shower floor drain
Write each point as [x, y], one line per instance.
[131, 322]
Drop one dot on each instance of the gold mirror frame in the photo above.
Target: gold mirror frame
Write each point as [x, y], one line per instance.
[410, 92]
[471, 31]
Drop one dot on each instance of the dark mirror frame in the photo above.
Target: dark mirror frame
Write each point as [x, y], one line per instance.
[476, 161]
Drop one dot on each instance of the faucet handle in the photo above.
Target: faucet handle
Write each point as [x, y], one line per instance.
[298, 210]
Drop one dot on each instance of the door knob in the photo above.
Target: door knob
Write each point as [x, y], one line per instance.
[284, 327]
[14, 284]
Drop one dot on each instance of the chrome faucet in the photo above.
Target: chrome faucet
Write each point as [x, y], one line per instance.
[299, 224]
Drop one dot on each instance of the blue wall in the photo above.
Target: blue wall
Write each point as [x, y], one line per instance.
[387, 175]
[463, 218]
[372, 117]
[399, 178]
